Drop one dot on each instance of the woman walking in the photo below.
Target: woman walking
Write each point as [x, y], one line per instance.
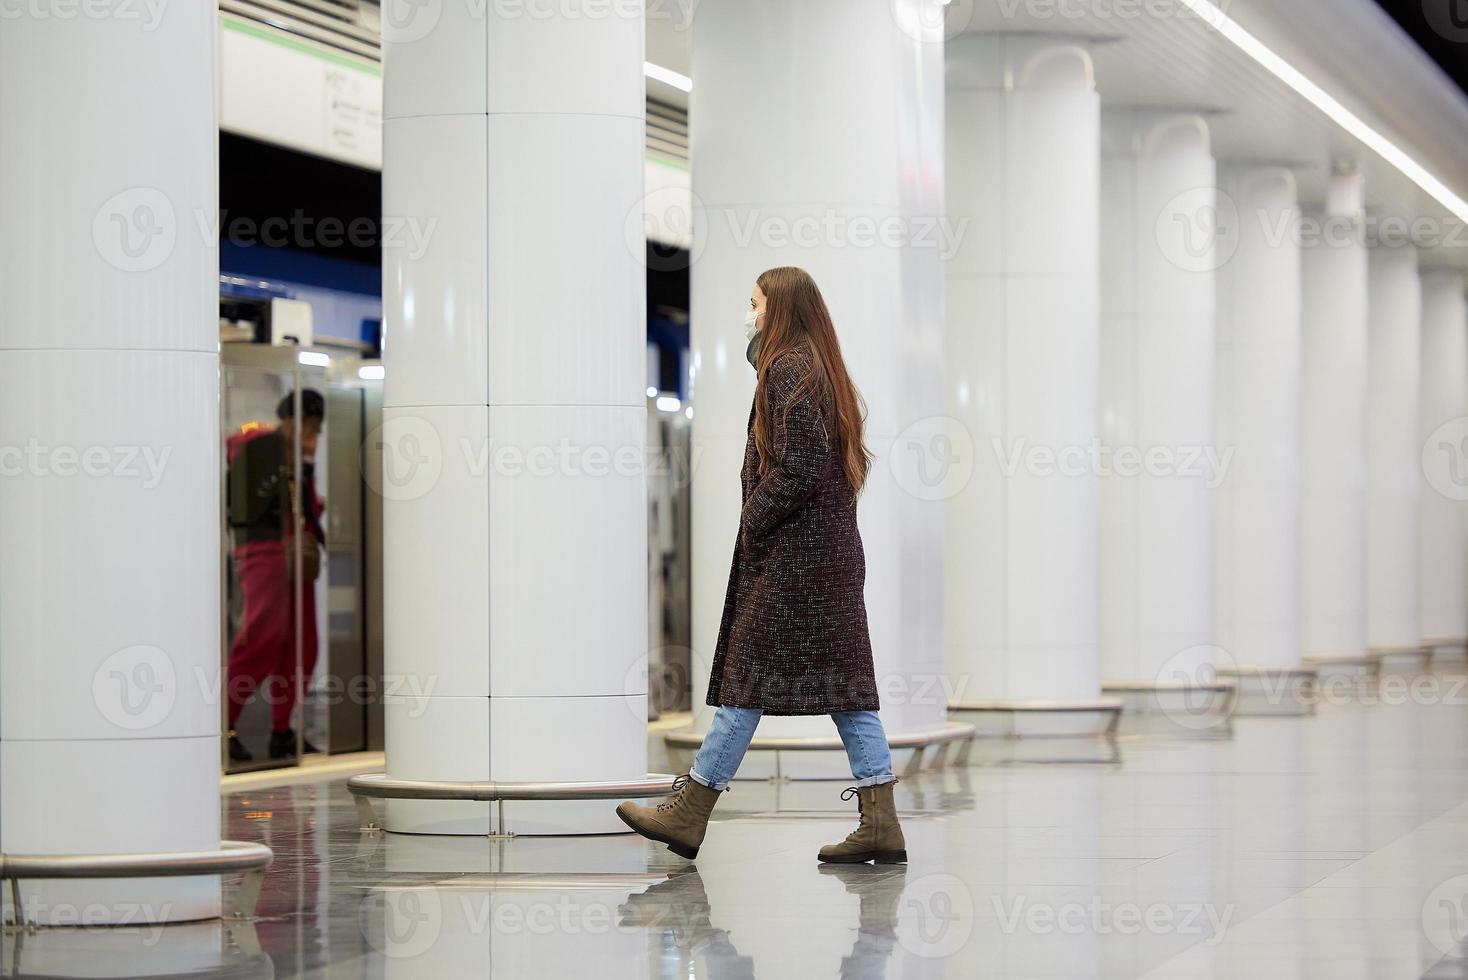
[793, 639]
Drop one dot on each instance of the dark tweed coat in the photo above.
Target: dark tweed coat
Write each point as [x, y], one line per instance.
[793, 639]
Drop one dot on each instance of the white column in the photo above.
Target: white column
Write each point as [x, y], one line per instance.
[1444, 448]
[1334, 430]
[1158, 192]
[1394, 449]
[109, 456]
[1258, 420]
[817, 132]
[515, 525]
[1022, 336]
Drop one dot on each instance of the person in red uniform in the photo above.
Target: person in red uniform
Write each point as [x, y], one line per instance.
[260, 493]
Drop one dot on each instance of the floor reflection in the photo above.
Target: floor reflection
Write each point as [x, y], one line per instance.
[1296, 847]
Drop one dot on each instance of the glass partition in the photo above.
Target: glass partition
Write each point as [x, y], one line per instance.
[271, 422]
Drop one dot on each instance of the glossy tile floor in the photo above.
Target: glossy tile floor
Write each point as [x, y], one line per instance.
[1334, 846]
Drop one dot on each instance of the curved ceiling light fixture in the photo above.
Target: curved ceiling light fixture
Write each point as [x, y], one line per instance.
[1215, 18]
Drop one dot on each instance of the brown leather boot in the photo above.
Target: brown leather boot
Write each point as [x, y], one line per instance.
[878, 837]
[679, 821]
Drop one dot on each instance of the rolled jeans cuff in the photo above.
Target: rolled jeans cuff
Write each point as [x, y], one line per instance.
[876, 781]
[693, 775]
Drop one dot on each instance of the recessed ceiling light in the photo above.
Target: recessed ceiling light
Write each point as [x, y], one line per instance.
[667, 76]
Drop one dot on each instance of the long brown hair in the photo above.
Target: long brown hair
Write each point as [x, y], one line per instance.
[796, 318]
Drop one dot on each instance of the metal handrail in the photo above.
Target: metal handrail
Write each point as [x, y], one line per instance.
[687, 738]
[378, 785]
[1094, 704]
[918, 741]
[1303, 670]
[232, 857]
[1111, 707]
[1146, 687]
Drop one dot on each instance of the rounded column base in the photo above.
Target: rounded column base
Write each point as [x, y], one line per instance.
[1265, 691]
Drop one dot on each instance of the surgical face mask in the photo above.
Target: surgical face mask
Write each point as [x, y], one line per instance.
[751, 353]
[751, 333]
[751, 325]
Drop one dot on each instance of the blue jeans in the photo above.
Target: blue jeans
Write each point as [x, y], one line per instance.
[728, 739]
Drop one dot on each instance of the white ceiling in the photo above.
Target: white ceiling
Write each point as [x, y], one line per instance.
[1351, 48]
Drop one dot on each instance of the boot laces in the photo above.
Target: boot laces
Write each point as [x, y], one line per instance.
[847, 794]
[677, 797]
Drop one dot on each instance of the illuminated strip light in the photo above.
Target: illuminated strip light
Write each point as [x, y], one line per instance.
[1326, 103]
[667, 76]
